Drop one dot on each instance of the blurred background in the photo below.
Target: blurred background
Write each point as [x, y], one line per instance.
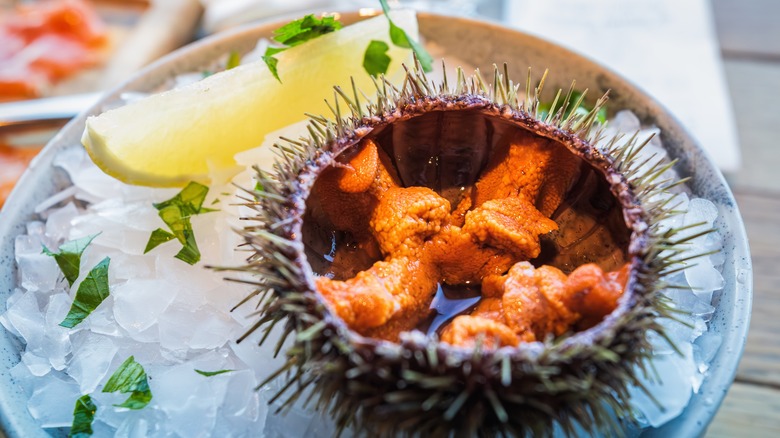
[714, 63]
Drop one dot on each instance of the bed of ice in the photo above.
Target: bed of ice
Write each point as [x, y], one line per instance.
[175, 318]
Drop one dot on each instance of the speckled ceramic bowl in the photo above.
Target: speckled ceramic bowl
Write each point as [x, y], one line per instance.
[482, 44]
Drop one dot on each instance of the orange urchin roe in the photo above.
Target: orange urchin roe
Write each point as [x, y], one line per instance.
[534, 302]
[526, 171]
[424, 241]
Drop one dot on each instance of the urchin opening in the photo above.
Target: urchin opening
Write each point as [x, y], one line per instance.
[469, 225]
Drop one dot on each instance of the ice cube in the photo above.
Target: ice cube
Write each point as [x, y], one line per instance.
[52, 402]
[27, 319]
[703, 277]
[142, 423]
[56, 342]
[243, 400]
[38, 271]
[37, 365]
[112, 235]
[58, 222]
[175, 326]
[92, 357]
[138, 304]
[55, 199]
[212, 330]
[673, 390]
[36, 229]
[707, 346]
[192, 412]
[129, 266]
[101, 320]
[140, 215]
[192, 281]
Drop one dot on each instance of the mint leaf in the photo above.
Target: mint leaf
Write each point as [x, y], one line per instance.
[272, 64]
[83, 414]
[189, 253]
[375, 60]
[234, 60]
[298, 32]
[190, 199]
[91, 292]
[176, 213]
[68, 257]
[212, 373]
[400, 38]
[305, 29]
[130, 377]
[159, 236]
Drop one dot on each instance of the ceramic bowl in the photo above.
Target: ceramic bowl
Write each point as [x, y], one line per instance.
[482, 44]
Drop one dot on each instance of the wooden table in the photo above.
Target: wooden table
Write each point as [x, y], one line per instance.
[750, 43]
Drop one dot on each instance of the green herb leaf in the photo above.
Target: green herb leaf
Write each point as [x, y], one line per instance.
[375, 60]
[83, 414]
[305, 29]
[400, 38]
[234, 60]
[130, 377]
[189, 253]
[91, 292]
[159, 236]
[68, 257]
[272, 64]
[176, 213]
[190, 199]
[212, 373]
[298, 32]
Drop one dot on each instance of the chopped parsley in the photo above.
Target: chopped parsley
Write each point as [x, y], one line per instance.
[91, 292]
[176, 213]
[400, 38]
[212, 373]
[68, 257]
[130, 377]
[83, 414]
[298, 32]
[375, 60]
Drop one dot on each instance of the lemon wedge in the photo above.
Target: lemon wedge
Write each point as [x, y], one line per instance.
[189, 133]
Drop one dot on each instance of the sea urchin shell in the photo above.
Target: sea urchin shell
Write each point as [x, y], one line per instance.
[410, 382]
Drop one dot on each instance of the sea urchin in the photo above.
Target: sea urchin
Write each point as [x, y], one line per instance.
[319, 240]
